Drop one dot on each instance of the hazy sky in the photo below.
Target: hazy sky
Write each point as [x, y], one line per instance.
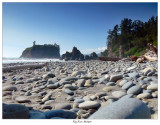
[83, 25]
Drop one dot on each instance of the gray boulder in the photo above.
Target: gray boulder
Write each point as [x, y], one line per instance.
[15, 111]
[126, 108]
[60, 113]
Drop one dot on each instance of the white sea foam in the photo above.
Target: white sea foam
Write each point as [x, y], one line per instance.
[25, 60]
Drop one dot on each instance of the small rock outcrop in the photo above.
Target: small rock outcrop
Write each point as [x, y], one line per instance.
[74, 55]
[93, 56]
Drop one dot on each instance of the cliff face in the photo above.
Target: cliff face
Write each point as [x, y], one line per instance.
[41, 51]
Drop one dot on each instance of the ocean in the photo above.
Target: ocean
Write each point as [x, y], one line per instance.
[25, 60]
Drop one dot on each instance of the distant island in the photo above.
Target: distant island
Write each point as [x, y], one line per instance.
[42, 51]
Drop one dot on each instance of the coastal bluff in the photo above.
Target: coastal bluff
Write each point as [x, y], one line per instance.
[42, 51]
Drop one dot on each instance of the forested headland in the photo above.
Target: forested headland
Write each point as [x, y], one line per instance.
[132, 36]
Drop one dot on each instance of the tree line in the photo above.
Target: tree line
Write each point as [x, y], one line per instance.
[133, 36]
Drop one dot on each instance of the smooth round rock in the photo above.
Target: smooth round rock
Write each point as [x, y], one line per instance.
[114, 78]
[127, 85]
[100, 94]
[144, 95]
[89, 104]
[133, 75]
[118, 94]
[122, 82]
[153, 87]
[9, 88]
[80, 83]
[19, 82]
[52, 86]
[70, 98]
[49, 102]
[88, 83]
[69, 87]
[67, 114]
[79, 100]
[148, 91]
[110, 83]
[22, 99]
[68, 91]
[34, 114]
[62, 106]
[46, 107]
[108, 88]
[47, 97]
[15, 111]
[126, 108]
[134, 90]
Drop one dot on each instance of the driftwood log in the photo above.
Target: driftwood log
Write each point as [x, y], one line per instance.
[33, 66]
[109, 58]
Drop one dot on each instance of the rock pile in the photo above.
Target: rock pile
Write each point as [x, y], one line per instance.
[81, 90]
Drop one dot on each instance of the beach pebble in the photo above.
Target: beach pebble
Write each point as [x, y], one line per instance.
[68, 91]
[126, 108]
[133, 75]
[79, 100]
[134, 90]
[52, 86]
[63, 106]
[70, 87]
[9, 88]
[127, 85]
[22, 99]
[70, 98]
[144, 95]
[47, 97]
[67, 114]
[108, 88]
[155, 94]
[118, 94]
[121, 83]
[100, 94]
[75, 73]
[87, 98]
[46, 107]
[49, 102]
[110, 83]
[5, 93]
[153, 87]
[148, 69]
[114, 78]
[89, 105]
[19, 82]
[88, 83]
[80, 83]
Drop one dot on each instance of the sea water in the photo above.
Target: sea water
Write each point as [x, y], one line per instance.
[25, 60]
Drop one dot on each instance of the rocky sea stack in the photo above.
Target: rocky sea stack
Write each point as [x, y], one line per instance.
[74, 55]
[42, 51]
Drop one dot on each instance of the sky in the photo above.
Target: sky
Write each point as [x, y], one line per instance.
[83, 25]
